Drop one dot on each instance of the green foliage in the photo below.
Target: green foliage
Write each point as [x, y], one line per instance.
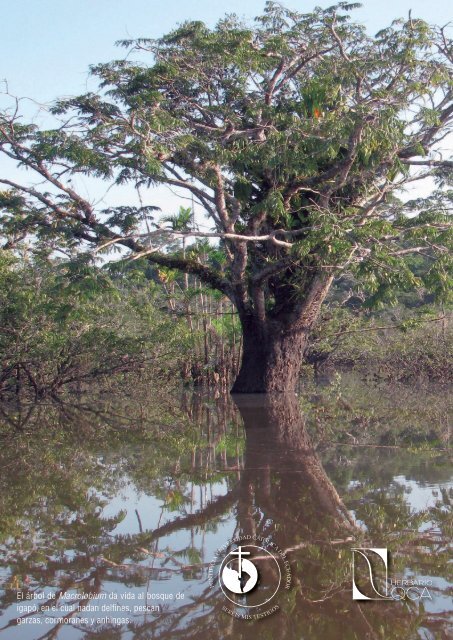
[399, 344]
[127, 219]
[65, 322]
[181, 221]
[294, 134]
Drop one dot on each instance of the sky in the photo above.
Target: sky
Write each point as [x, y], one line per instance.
[46, 46]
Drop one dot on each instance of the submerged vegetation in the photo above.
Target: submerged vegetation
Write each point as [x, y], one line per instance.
[65, 324]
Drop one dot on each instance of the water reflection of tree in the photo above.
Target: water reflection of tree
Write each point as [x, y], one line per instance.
[274, 487]
[53, 531]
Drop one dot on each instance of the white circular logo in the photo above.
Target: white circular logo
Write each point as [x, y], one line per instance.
[242, 579]
[245, 568]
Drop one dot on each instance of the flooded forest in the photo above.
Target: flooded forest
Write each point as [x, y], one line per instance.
[226, 325]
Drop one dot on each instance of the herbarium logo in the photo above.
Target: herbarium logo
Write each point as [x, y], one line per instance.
[374, 580]
[357, 594]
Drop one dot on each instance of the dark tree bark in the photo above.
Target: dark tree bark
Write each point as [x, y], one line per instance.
[274, 344]
[271, 360]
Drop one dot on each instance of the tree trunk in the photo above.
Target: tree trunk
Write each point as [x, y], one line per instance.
[273, 348]
[271, 359]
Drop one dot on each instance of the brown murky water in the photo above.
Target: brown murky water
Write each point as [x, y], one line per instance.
[118, 517]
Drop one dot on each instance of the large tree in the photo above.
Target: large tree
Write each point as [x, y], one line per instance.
[292, 134]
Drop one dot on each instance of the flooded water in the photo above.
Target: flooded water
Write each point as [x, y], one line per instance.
[146, 515]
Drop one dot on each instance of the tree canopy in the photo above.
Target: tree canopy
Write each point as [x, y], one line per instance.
[294, 135]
